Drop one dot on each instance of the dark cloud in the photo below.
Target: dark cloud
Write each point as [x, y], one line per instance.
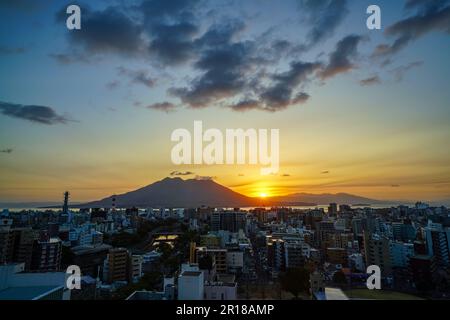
[430, 16]
[325, 172]
[370, 81]
[246, 105]
[341, 59]
[286, 175]
[400, 72]
[66, 59]
[37, 114]
[23, 5]
[138, 76]
[163, 106]
[281, 94]
[205, 178]
[173, 44]
[4, 50]
[181, 173]
[324, 15]
[224, 75]
[171, 27]
[6, 151]
[110, 30]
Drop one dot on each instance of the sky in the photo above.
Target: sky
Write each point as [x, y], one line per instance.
[92, 110]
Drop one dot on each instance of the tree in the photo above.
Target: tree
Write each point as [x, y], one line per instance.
[295, 281]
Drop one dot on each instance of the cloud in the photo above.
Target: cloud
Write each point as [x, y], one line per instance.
[171, 27]
[6, 151]
[66, 59]
[340, 58]
[23, 5]
[4, 50]
[205, 178]
[138, 76]
[113, 84]
[224, 69]
[33, 113]
[325, 172]
[180, 173]
[324, 15]
[281, 94]
[163, 106]
[430, 16]
[246, 105]
[400, 72]
[108, 31]
[370, 81]
[286, 175]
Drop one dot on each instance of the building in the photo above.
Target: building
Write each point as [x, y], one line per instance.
[422, 269]
[401, 253]
[294, 255]
[191, 284]
[116, 265]
[225, 288]
[332, 209]
[337, 256]
[219, 257]
[235, 261]
[90, 259]
[377, 253]
[135, 269]
[15, 284]
[438, 243]
[403, 232]
[276, 255]
[46, 256]
[232, 221]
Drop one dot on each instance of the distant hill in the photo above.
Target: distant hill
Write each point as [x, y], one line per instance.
[326, 198]
[176, 192]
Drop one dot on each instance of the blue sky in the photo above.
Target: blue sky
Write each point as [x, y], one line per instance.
[375, 117]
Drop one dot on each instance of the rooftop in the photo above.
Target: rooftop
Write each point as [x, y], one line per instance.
[26, 293]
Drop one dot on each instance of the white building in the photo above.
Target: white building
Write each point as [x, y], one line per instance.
[16, 285]
[191, 285]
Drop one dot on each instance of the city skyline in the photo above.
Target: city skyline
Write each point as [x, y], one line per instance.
[91, 111]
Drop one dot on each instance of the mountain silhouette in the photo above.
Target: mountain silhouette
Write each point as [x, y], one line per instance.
[176, 192]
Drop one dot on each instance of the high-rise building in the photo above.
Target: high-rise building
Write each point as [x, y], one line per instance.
[438, 243]
[135, 268]
[401, 253]
[377, 252]
[116, 265]
[332, 209]
[294, 257]
[46, 255]
[422, 270]
[232, 221]
[276, 254]
[403, 232]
